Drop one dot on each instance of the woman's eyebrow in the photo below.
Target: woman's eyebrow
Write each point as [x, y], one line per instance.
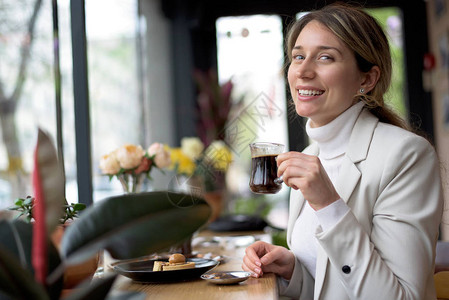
[299, 47]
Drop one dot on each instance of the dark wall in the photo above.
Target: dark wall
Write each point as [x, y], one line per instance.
[194, 44]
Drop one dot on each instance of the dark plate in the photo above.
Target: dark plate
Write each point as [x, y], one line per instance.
[142, 270]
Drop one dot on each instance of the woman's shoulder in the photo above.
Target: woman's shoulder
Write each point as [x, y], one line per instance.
[401, 144]
[391, 135]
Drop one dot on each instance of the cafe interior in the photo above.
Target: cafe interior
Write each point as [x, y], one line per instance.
[168, 80]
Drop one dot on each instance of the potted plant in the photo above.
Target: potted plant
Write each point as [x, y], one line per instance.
[127, 226]
[75, 274]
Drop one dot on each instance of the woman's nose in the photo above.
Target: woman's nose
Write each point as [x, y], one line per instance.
[305, 69]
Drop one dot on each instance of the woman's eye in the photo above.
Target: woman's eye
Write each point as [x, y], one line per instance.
[298, 57]
[325, 57]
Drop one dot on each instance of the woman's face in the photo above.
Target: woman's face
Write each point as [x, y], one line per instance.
[323, 75]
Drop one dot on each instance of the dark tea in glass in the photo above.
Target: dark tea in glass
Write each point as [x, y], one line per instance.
[264, 169]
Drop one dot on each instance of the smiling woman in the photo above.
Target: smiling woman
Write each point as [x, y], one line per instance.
[366, 196]
[324, 75]
[353, 47]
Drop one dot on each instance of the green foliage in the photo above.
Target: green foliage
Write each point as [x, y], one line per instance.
[128, 226]
[98, 289]
[133, 225]
[71, 211]
[258, 205]
[16, 271]
[25, 208]
[395, 95]
[279, 238]
[17, 282]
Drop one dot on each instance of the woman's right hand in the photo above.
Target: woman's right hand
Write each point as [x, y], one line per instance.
[262, 257]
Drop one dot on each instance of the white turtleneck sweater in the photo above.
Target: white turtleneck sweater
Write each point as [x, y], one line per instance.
[332, 139]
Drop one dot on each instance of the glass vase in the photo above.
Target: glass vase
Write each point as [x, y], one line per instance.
[131, 183]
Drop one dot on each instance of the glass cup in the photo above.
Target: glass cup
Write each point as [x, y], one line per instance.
[264, 168]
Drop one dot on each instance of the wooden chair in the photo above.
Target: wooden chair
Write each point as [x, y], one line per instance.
[442, 270]
[442, 284]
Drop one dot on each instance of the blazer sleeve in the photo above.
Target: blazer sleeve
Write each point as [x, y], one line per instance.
[395, 259]
[300, 286]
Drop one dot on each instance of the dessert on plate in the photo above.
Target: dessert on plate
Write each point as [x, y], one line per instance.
[176, 261]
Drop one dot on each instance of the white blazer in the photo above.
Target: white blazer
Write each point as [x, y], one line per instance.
[384, 247]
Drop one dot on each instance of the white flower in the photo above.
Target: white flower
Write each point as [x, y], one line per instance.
[192, 147]
[109, 164]
[161, 155]
[129, 156]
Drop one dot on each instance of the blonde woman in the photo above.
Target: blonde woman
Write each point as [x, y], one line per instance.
[366, 198]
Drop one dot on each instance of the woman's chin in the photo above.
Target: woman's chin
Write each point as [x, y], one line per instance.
[303, 111]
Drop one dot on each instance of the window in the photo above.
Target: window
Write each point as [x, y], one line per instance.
[116, 109]
[115, 91]
[250, 51]
[27, 90]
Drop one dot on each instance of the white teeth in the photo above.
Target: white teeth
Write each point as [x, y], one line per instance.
[309, 92]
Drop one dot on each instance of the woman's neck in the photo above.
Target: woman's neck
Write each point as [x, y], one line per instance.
[333, 137]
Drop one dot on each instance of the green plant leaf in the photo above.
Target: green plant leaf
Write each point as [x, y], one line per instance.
[17, 282]
[16, 239]
[134, 225]
[52, 176]
[15, 236]
[79, 206]
[95, 289]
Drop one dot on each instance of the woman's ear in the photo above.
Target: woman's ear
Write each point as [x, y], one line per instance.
[370, 78]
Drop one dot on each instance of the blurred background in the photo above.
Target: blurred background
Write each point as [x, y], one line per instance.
[98, 74]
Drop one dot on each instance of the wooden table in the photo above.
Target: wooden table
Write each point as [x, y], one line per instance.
[231, 246]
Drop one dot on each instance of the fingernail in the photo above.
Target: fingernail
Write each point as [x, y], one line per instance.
[258, 263]
[254, 275]
[257, 270]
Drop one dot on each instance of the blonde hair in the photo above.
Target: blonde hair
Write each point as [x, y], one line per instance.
[364, 36]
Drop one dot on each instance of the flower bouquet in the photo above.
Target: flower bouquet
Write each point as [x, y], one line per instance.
[131, 164]
[210, 164]
[202, 170]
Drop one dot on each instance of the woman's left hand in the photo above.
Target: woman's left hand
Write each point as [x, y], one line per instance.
[305, 172]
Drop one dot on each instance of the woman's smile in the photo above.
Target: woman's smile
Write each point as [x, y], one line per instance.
[323, 75]
[307, 93]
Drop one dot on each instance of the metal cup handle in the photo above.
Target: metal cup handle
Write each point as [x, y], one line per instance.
[279, 180]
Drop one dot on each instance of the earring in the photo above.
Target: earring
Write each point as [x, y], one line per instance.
[362, 90]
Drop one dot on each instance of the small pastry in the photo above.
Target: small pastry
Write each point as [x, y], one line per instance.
[157, 266]
[176, 261]
[170, 267]
[176, 258]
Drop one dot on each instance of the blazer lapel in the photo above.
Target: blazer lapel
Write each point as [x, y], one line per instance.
[348, 179]
[357, 151]
[349, 176]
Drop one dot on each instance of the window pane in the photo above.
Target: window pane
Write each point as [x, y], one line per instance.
[250, 51]
[68, 115]
[26, 91]
[116, 113]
